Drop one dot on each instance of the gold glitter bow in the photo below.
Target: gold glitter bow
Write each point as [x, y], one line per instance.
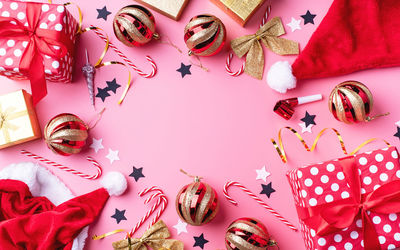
[5, 117]
[155, 237]
[269, 35]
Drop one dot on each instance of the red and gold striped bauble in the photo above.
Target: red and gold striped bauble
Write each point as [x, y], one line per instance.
[134, 25]
[66, 134]
[247, 234]
[351, 102]
[205, 35]
[197, 203]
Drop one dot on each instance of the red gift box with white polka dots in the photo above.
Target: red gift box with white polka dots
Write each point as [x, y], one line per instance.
[325, 182]
[53, 17]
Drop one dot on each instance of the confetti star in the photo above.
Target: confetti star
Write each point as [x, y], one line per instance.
[119, 215]
[267, 189]
[137, 173]
[397, 133]
[184, 70]
[294, 24]
[180, 227]
[113, 86]
[308, 119]
[97, 144]
[304, 128]
[308, 17]
[398, 124]
[200, 241]
[262, 174]
[102, 93]
[103, 13]
[112, 155]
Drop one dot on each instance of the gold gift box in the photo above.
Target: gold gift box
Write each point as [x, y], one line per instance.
[239, 10]
[18, 121]
[170, 8]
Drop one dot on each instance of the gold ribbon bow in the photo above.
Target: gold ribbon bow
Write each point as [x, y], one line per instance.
[269, 35]
[155, 237]
[5, 117]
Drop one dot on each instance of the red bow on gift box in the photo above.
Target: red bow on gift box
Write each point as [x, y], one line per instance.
[40, 42]
[334, 216]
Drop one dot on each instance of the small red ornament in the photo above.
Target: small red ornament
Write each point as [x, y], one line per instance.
[205, 35]
[197, 203]
[66, 134]
[351, 102]
[248, 234]
[134, 25]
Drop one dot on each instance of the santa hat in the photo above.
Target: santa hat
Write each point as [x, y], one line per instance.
[354, 35]
[37, 211]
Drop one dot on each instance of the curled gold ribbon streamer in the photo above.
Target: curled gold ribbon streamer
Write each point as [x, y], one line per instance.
[281, 151]
[98, 237]
[268, 34]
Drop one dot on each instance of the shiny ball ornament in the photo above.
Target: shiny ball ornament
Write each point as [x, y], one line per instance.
[351, 102]
[248, 234]
[66, 134]
[197, 203]
[134, 25]
[205, 35]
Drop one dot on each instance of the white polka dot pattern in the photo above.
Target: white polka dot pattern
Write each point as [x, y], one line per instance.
[323, 183]
[53, 17]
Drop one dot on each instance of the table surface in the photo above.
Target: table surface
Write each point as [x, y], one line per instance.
[207, 123]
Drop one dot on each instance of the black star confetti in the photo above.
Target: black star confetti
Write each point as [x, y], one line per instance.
[308, 17]
[267, 189]
[397, 133]
[137, 173]
[119, 215]
[103, 13]
[308, 119]
[113, 85]
[200, 241]
[102, 93]
[184, 70]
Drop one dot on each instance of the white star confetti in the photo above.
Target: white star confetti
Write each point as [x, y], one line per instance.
[97, 145]
[304, 128]
[180, 227]
[112, 155]
[262, 174]
[294, 24]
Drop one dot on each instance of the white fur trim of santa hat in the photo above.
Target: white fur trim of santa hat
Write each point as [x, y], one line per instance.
[280, 77]
[115, 183]
[42, 182]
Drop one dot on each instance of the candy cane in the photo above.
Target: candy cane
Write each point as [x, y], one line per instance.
[67, 169]
[126, 59]
[162, 200]
[266, 15]
[228, 67]
[257, 199]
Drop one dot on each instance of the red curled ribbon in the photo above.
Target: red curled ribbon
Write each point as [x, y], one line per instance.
[334, 216]
[40, 42]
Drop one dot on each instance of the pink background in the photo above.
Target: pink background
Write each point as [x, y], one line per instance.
[208, 123]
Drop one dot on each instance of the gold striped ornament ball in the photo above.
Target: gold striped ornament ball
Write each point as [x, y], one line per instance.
[248, 234]
[66, 134]
[134, 25]
[205, 35]
[197, 203]
[351, 102]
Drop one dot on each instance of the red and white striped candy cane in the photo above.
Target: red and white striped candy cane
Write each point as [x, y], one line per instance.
[266, 15]
[126, 59]
[162, 200]
[67, 169]
[257, 199]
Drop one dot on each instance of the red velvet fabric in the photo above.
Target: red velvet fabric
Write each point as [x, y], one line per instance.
[34, 223]
[354, 35]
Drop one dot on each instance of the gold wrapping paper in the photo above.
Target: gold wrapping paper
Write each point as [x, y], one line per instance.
[269, 35]
[18, 121]
[240, 10]
[155, 237]
[170, 8]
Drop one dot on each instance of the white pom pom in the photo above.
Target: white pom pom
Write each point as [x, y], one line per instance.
[114, 182]
[280, 77]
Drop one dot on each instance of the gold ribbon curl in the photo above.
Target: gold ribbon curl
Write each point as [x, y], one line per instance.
[155, 237]
[5, 117]
[269, 35]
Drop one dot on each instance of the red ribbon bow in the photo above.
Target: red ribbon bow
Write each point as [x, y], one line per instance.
[40, 42]
[334, 216]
